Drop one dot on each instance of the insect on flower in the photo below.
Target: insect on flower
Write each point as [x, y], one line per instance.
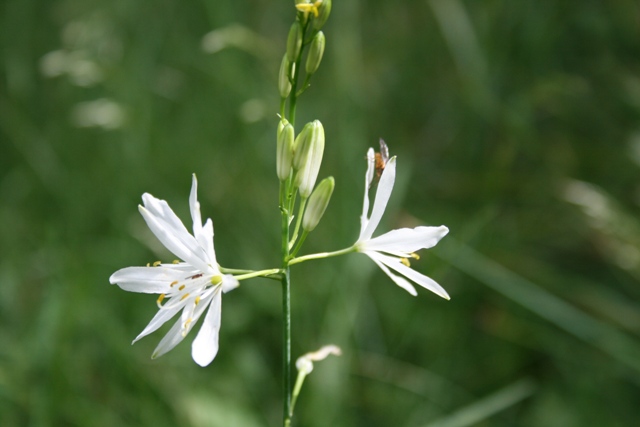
[382, 158]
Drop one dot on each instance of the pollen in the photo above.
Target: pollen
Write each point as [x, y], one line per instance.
[175, 261]
[185, 296]
[159, 301]
[148, 265]
[172, 284]
[185, 327]
[405, 261]
[157, 263]
[197, 301]
[182, 287]
[310, 7]
[415, 255]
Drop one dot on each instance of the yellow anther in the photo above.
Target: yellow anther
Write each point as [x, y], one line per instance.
[160, 298]
[148, 265]
[405, 262]
[309, 7]
[175, 261]
[172, 284]
[185, 296]
[157, 263]
[182, 287]
[415, 255]
[185, 327]
[216, 280]
[197, 301]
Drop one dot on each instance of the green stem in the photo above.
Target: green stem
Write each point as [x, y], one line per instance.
[322, 255]
[294, 252]
[286, 322]
[303, 203]
[260, 273]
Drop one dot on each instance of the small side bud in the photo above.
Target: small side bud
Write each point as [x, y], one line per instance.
[324, 10]
[294, 41]
[306, 178]
[318, 202]
[315, 53]
[284, 150]
[284, 84]
[301, 147]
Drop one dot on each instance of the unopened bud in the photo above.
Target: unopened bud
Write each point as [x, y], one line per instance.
[315, 53]
[306, 177]
[294, 41]
[323, 14]
[301, 146]
[284, 150]
[284, 84]
[318, 202]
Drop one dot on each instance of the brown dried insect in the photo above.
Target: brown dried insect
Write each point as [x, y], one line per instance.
[382, 158]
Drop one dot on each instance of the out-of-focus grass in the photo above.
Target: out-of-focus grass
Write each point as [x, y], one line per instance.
[515, 124]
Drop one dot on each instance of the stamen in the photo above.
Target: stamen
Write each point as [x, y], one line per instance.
[415, 255]
[157, 263]
[159, 301]
[148, 265]
[197, 301]
[175, 261]
[182, 287]
[185, 296]
[185, 327]
[172, 284]
[405, 262]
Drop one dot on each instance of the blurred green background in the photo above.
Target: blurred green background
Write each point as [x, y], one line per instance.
[516, 124]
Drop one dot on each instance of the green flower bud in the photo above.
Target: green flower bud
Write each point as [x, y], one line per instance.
[307, 175]
[294, 41]
[315, 53]
[284, 84]
[301, 147]
[323, 14]
[284, 150]
[317, 204]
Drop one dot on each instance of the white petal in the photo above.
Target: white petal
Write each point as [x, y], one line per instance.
[177, 240]
[162, 316]
[149, 280]
[400, 281]
[383, 193]
[206, 241]
[368, 177]
[194, 206]
[229, 283]
[205, 346]
[404, 241]
[419, 278]
[169, 341]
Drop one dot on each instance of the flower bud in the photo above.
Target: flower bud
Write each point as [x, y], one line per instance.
[301, 147]
[294, 41]
[307, 175]
[315, 53]
[317, 204]
[323, 14]
[284, 84]
[284, 150]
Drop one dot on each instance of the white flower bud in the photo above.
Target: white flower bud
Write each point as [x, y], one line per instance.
[307, 175]
[301, 147]
[284, 150]
[318, 203]
[294, 41]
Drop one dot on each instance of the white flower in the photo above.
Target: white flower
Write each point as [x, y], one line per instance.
[189, 286]
[392, 250]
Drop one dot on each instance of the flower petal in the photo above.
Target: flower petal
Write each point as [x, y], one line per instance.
[229, 283]
[205, 346]
[176, 238]
[162, 316]
[400, 281]
[149, 280]
[404, 241]
[170, 340]
[419, 278]
[368, 177]
[383, 193]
